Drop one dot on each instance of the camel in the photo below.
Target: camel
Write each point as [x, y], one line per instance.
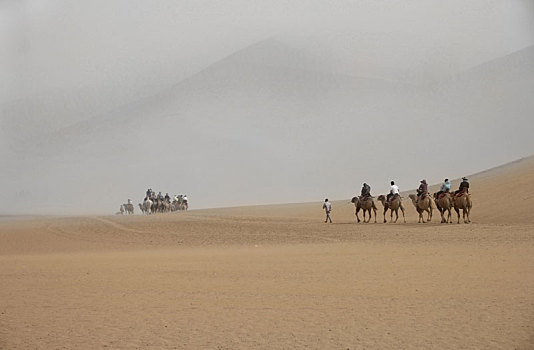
[158, 205]
[165, 206]
[444, 203]
[425, 204]
[393, 205]
[147, 207]
[129, 208]
[180, 203]
[463, 201]
[366, 205]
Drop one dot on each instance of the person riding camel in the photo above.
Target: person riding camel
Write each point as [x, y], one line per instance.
[366, 191]
[445, 188]
[160, 196]
[167, 198]
[422, 190]
[464, 186]
[393, 190]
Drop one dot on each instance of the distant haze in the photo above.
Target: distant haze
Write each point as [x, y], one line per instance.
[251, 102]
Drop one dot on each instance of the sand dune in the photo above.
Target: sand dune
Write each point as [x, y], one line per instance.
[275, 277]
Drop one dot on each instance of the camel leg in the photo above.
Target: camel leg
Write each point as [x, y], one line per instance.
[385, 210]
[402, 210]
[374, 209]
[457, 213]
[357, 217]
[468, 212]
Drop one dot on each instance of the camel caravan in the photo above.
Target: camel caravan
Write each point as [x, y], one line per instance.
[159, 203]
[444, 201]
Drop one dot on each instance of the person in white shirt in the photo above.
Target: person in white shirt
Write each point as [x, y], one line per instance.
[185, 201]
[394, 189]
[327, 208]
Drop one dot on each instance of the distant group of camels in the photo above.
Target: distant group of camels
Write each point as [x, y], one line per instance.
[444, 202]
[156, 205]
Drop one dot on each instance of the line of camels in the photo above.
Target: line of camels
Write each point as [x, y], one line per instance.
[445, 202]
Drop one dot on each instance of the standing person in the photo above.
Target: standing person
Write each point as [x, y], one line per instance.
[327, 208]
[393, 190]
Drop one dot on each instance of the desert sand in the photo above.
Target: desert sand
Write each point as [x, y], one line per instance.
[276, 277]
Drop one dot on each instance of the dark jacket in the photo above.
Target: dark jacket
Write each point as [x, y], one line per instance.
[464, 184]
[366, 190]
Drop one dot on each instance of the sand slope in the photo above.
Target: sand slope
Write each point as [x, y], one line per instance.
[275, 277]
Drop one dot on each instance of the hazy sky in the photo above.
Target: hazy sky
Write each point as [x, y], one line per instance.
[243, 102]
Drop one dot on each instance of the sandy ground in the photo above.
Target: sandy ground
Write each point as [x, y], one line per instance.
[275, 277]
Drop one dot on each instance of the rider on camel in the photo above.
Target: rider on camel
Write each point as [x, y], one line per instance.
[445, 188]
[393, 190]
[422, 190]
[464, 186]
[366, 191]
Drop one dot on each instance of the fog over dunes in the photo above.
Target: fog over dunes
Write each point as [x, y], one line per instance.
[254, 103]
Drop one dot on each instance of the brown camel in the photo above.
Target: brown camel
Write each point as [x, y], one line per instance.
[425, 204]
[129, 208]
[366, 205]
[463, 201]
[393, 205]
[444, 204]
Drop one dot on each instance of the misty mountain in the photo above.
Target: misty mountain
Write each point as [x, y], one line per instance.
[252, 130]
